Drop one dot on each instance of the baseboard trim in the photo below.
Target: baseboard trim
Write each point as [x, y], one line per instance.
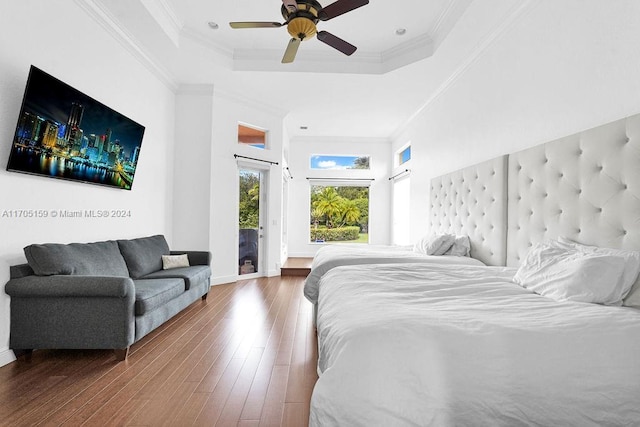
[223, 280]
[6, 357]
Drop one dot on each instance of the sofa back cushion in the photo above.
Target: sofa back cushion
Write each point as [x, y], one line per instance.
[143, 255]
[86, 259]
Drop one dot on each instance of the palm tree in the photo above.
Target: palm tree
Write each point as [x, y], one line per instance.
[315, 217]
[328, 204]
[349, 212]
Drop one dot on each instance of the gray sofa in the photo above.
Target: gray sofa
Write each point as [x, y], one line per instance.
[102, 295]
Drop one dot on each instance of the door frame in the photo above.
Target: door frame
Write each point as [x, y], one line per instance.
[262, 216]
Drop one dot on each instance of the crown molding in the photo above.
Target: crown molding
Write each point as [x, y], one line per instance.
[96, 10]
[166, 18]
[197, 37]
[313, 61]
[361, 62]
[447, 20]
[249, 102]
[318, 60]
[422, 44]
[482, 46]
[340, 139]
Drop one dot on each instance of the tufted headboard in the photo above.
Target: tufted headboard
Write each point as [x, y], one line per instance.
[472, 202]
[585, 187]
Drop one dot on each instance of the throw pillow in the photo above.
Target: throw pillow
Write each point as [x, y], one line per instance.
[174, 261]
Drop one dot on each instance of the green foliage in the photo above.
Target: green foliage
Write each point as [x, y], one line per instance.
[328, 204]
[349, 212]
[334, 234]
[361, 163]
[363, 206]
[335, 207]
[353, 193]
[249, 199]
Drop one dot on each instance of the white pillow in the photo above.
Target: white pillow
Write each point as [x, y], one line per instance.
[460, 247]
[436, 245]
[566, 274]
[630, 278]
[174, 261]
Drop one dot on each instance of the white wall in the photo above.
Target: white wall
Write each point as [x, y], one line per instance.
[557, 69]
[300, 152]
[192, 167]
[61, 39]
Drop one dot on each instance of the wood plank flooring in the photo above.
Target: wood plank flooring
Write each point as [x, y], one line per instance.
[245, 357]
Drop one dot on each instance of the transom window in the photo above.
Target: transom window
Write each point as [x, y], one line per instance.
[404, 155]
[328, 162]
[252, 137]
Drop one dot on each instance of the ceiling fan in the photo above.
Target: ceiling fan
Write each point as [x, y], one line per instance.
[301, 17]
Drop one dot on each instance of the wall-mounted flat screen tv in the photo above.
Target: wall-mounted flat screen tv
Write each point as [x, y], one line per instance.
[63, 133]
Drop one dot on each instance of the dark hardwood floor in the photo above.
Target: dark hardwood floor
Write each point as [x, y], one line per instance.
[245, 357]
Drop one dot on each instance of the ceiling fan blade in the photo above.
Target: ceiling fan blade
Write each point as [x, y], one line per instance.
[292, 5]
[255, 24]
[336, 42]
[292, 49]
[340, 7]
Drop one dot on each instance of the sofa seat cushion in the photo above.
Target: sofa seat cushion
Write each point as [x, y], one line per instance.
[152, 293]
[191, 275]
[144, 255]
[86, 259]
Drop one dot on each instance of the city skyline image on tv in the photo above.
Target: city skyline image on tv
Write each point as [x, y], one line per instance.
[63, 133]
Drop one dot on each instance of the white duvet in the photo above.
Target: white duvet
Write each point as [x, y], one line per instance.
[418, 345]
[331, 256]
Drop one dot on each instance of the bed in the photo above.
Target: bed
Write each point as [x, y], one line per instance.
[333, 256]
[470, 202]
[416, 344]
[435, 346]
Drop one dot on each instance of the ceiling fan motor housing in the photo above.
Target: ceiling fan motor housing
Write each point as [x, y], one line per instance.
[301, 28]
[301, 23]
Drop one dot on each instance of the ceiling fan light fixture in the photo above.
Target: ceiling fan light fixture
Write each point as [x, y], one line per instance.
[401, 31]
[301, 28]
[301, 17]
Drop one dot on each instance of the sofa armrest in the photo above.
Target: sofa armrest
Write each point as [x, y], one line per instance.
[196, 257]
[70, 286]
[74, 312]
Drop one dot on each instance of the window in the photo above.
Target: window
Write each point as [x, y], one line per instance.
[404, 155]
[252, 137]
[326, 162]
[339, 214]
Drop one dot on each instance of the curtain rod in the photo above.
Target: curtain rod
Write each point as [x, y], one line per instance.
[288, 171]
[340, 179]
[258, 160]
[400, 173]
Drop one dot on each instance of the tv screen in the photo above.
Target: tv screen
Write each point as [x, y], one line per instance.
[63, 133]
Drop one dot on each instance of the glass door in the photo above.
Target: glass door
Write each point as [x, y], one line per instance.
[250, 228]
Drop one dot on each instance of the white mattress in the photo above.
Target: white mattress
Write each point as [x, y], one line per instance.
[428, 345]
[329, 257]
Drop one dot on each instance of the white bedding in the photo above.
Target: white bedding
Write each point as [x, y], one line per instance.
[331, 256]
[429, 345]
